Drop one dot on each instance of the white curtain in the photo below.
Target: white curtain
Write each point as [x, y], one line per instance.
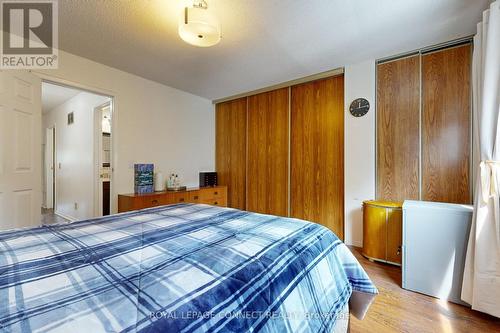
[481, 283]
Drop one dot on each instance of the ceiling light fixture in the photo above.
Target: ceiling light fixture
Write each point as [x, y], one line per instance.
[198, 25]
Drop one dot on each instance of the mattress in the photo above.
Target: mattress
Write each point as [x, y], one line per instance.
[179, 268]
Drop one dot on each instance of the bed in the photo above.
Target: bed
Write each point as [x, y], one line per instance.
[180, 268]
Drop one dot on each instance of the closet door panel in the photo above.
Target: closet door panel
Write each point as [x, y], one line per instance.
[317, 152]
[446, 123]
[268, 139]
[230, 119]
[398, 107]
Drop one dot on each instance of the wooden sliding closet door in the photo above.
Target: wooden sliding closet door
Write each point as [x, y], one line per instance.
[446, 123]
[267, 166]
[230, 149]
[317, 152]
[398, 107]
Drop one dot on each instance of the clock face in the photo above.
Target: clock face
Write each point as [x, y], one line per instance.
[359, 107]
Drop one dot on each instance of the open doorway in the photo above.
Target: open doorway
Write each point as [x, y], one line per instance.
[76, 130]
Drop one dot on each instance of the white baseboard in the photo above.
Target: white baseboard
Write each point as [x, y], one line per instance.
[67, 217]
[355, 243]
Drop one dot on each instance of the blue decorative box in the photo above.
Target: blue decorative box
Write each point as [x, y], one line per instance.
[143, 178]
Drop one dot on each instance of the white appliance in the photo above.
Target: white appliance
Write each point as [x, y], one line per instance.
[435, 239]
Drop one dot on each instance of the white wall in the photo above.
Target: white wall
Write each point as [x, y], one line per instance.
[75, 163]
[359, 164]
[152, 123]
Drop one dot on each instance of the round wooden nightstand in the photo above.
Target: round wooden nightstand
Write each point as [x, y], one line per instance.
[382, 231]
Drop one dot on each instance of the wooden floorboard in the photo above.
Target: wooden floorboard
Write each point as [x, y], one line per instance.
[399, 310]
[49, 217]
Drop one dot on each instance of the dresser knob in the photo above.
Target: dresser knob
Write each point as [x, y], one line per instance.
[181, 199]
[154, 202]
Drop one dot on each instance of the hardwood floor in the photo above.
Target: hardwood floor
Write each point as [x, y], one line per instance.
[399, 310]
[49, 217]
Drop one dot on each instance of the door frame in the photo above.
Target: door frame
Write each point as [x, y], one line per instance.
[51, 79]
[98, 158]
[52, 128]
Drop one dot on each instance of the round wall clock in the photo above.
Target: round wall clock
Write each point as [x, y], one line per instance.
[359, 107]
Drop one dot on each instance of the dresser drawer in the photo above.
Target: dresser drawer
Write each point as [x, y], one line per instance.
[194, 197]
[180, 197]
[150, 201]
[221, 202]
[211, 193]
[216, 196]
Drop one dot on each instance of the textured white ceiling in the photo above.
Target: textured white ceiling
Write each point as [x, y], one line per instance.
[54, 95]
[265, 42]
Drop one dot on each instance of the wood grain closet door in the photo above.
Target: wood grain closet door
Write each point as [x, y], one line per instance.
[446, 123]
[317, 152]
[267, 159]
[398, 107]
[230, 150]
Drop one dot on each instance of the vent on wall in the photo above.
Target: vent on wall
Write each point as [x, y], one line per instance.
[71, 118]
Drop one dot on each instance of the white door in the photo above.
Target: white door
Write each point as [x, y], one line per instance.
[20, 149]
[49, 168]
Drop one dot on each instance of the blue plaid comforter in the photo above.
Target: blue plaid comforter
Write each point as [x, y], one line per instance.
[179, 268]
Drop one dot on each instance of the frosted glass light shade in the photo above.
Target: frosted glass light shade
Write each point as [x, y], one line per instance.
[197, 26]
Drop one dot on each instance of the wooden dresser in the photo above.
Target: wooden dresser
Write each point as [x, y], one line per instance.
[216, 196]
